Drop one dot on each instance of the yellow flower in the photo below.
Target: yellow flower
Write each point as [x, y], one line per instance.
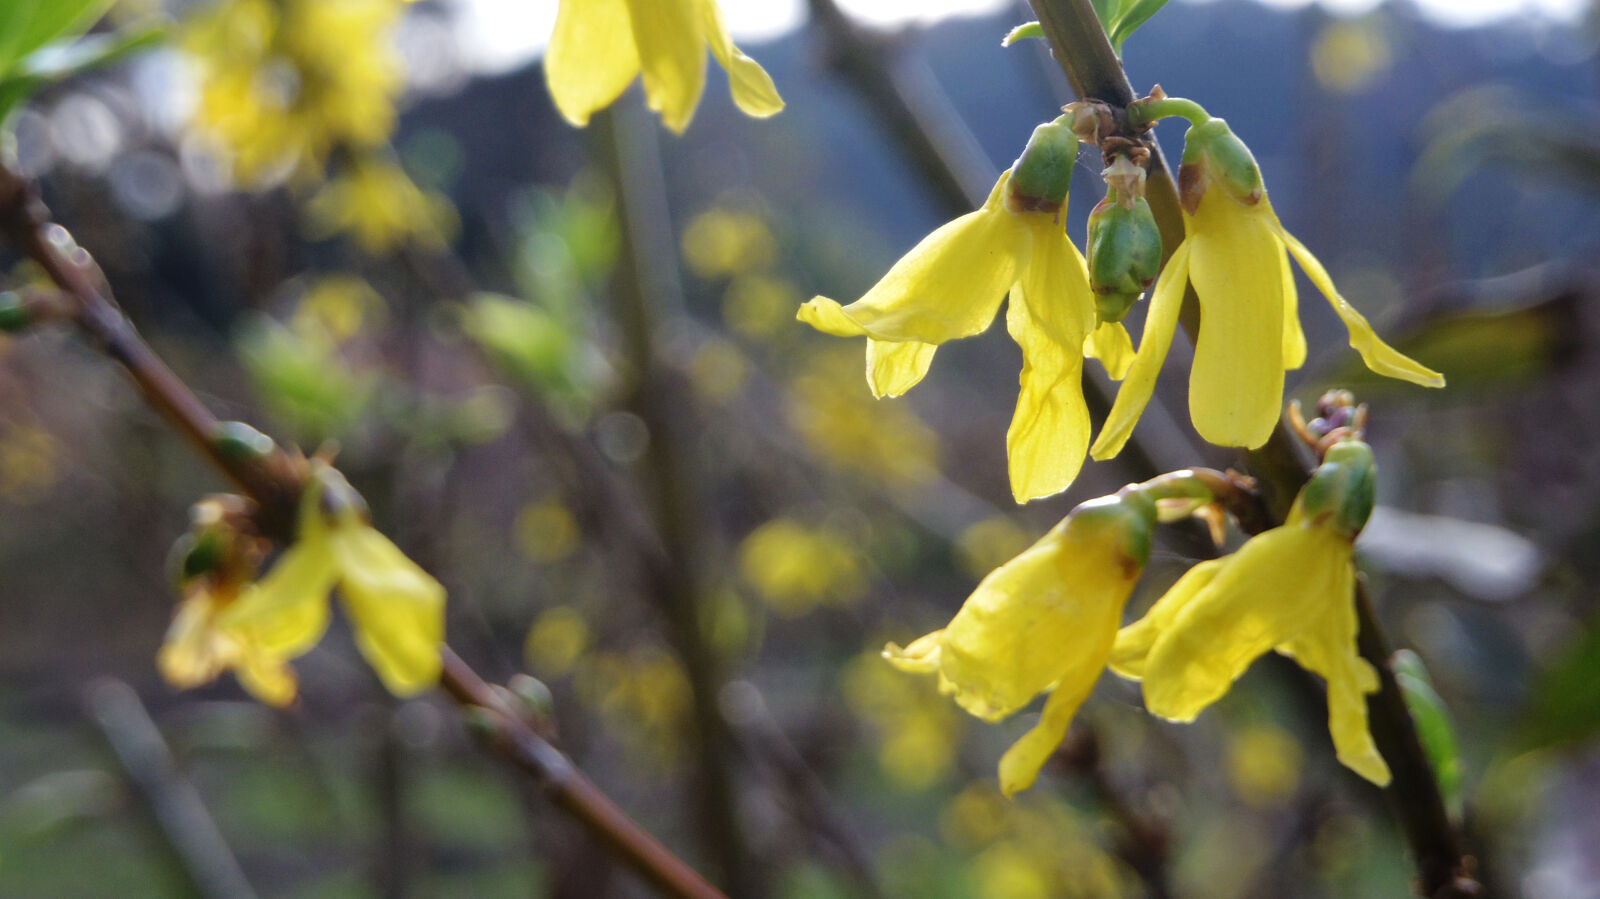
[1291, 589]
[378, 204]
[1235, 252]
[1043, 621]
[599, 46]
[950, 286]
[396, 607]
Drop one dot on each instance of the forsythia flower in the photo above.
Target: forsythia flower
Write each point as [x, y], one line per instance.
[1045, 620]
[378, 204]
[599, 46]
[1290, 589]
[1234, 252]
[396, 607]
[950, 286]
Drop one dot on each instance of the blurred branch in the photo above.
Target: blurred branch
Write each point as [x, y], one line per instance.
[271, 483]
[180, 815]
[1080, 46]
[646, 291]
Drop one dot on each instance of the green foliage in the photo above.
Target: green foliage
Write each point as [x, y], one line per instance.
[1564, 707]
[1025, 30]
[1121, 18]
[303, 382]
[39, 45]
[1434, 728]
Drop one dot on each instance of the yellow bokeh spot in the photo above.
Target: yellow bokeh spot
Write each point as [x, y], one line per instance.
[759, 306]
[547, 531]
[556, 641]
[845, 428]
[1264, 764]
[1005, 871]
[718, 372]
[336, 308]
[28, 463]
[643, 697]
[1350, 56]
[377, 204]
[986, 545]
[917, 731]
[721, 242]
[978, 816]
[794, 568]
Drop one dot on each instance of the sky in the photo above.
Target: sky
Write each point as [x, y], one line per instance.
[504, 34]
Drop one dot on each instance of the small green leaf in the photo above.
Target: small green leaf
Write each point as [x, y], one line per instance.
[64, 59]
[1121, 18]
[1025, 30]
[1434, 729]
[1564, 704]
[26, 26]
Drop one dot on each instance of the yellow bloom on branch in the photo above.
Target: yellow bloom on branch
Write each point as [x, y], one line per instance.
[950, 286]
[1291, 589]
[1044, 621]
[396, 608]
[1236, 254]
[376, 203]
[600, 46]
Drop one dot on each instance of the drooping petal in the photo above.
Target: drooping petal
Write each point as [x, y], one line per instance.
[949, 286]
[895, 367]
[397, 608]
[1294, 336]
[921, 657]
[672, 57]
[188, 657]
[1019, 767]
[1133, 643]
[1379, 356]
[1159, 323]
[753, 90]
[1051, 311]
[1247, 609]
[1236, 264]
[1109, 342]
[285, 613]
[266, 676]
[591, 58]
[1328, 647]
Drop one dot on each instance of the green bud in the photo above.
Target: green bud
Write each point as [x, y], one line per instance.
[532, 694]
[1343, 488]
[1214, 155]
[1128, 518]
[238, 442]
[1124, 255]
[1042, 174]
[14, 313]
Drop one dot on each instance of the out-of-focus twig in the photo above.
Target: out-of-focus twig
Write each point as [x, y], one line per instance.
[1080, 46]
[271, 482]
[180, 815]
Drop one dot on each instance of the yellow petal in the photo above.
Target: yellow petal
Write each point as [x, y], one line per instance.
[1266, 595]
[286, 612]
[1133, 643]
[1236, 264]
[591, 58]
[1379, 356]
[1050, 611]
[1049, 316]
[186, 658]
[1111, 345]
[1159, 323]
[397, 609]
[267, 677]
[921, 657]
[1019, 767]
[1328, 648]
[753, 90]
[893, 368]
[1294, 337]
[949, 286]
[672, 57]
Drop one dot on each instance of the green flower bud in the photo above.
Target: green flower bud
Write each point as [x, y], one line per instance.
[1042, 174]
[1124, 255]
[1126, 519]
[1343, 489]
[1213, 155]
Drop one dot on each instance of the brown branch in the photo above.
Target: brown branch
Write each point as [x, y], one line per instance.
[1079, 45]
[271, 483]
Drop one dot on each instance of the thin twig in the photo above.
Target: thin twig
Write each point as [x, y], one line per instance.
[25, 223]
[1080, 46]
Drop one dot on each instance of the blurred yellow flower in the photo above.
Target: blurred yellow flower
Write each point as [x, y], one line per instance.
[1291, 589]
[558, 639]
[794, 568]
[1043, 621]
[547, 531]
[917, 732]
[335, 308]
[845, 429]
[721, 242]
[950, 286]
[599, 46]
[375, 202]
[396, 608]
[1264, 765]
[1235, 253]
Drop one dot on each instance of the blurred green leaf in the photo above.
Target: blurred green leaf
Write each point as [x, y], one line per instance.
[62, 60]
[302, 382]
[1025, 30]
[1121, 18]
[27, 25]
[1434, 728]
[526, 341]
[1564, 705]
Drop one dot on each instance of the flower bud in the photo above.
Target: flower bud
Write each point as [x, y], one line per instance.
[1124, 255]
[1342, 490]
[1213, 155]
[239, 442]
[1123, 523]
[1042, 174]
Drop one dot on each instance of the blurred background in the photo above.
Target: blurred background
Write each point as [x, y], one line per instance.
[362, 223]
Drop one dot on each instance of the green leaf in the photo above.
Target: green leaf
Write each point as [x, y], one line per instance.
[1432, 720]
[1121, 18]
[1025, 30]
[27, 25]
[66, 59]
[1564, 704]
